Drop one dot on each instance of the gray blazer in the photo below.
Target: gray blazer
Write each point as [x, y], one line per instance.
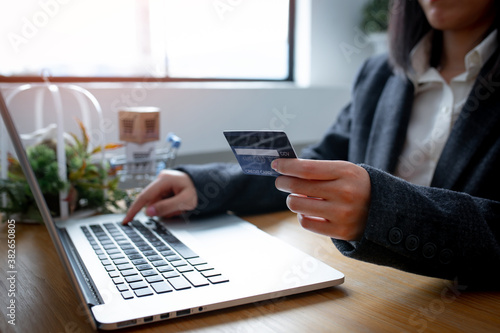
[449, 230]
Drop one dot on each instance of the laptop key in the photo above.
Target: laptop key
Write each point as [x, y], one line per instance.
[173, 258]
[179, 283]
[154, 257]
[122, 287]
[127, 294]
[162, 248]
[146, 249]
[143, 267]
[167, 253]
[203, 267]
[118, 280]
[161, 287]
[129, 272]
[149, 273]
[124, 267]
[217, 279]
[143, 292]
[133, 278]
[135, 256]
[120, 261]
[184, 269]
[127, 247]
[158, 263]
[163, 269]
[210, 273]
[117, 256]
[171, 274]
[138, 285]
[139, 261]
[154, 278]
[196, 261]
[111, 246]
[196, 279]
[114, 274]
[106, 262]
[178, 263]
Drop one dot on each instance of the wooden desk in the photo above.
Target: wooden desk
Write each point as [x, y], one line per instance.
[372, 299]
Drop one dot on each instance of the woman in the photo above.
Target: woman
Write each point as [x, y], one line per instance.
[406, 177]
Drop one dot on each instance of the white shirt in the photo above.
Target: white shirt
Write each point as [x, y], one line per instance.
[436, 107]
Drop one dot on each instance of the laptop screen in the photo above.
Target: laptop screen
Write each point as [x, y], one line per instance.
[37, 194]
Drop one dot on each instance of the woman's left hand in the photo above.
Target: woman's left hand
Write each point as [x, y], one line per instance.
[330, 197]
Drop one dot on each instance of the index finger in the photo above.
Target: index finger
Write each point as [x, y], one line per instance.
[133, 210]
[308, 169]
[144, 198]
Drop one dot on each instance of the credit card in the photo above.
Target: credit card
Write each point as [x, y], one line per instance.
[255, 150]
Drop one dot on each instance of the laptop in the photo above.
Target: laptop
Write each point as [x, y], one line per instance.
[154, 270]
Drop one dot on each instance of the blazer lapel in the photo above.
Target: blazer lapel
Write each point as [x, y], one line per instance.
[390, 124]
[479, 117]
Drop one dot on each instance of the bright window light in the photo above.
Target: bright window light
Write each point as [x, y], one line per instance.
[223, 39]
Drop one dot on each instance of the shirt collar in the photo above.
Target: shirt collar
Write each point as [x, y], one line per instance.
[474, 59]
[477, 57]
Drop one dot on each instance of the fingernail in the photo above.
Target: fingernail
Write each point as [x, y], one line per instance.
[274, 165]
[151, 211]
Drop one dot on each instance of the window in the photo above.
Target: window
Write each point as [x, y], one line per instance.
[162, 39]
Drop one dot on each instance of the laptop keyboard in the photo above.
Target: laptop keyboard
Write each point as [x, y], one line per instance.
[144, 261]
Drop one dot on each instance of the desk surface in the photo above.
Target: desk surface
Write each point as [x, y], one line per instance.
[373, 298]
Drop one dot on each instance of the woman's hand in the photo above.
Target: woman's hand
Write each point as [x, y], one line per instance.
[330, 197]
[170, 194]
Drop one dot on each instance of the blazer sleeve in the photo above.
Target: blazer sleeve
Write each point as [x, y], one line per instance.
[223, 187]
[430, 231]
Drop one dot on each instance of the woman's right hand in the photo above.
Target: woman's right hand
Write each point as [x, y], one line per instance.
[170, 194]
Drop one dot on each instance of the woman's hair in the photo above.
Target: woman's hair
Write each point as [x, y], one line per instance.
[408, 24]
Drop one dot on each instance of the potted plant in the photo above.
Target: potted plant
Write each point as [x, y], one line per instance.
[90, 185]
[374, 23]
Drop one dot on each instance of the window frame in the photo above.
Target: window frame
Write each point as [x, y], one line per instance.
[79, 79]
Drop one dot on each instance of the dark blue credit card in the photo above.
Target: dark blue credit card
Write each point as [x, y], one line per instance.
[255, 150]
